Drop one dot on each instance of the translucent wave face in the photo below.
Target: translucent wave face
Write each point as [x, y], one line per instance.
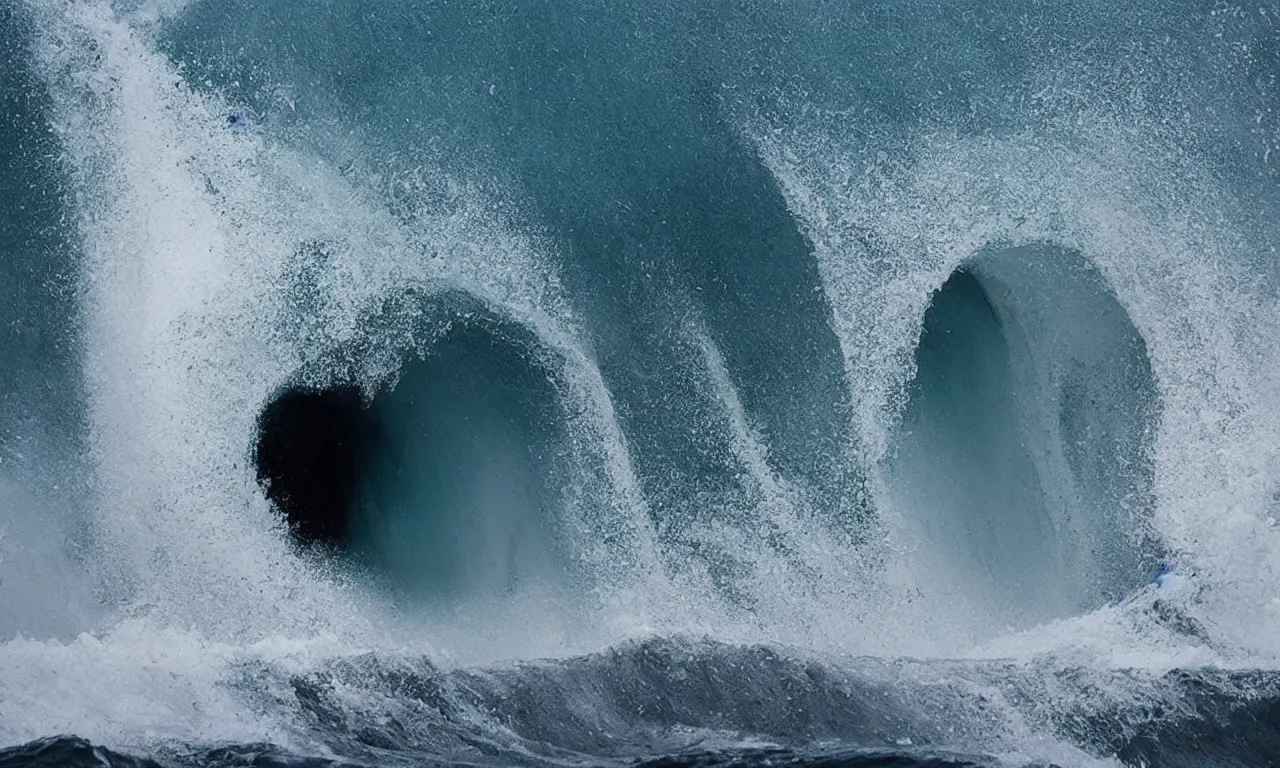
[463, 498]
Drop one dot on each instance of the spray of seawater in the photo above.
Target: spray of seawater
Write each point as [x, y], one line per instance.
[228, 255]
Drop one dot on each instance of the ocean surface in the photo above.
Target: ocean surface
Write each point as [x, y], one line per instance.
[639, 383]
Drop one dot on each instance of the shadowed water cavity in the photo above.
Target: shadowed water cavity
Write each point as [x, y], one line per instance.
[445, 482]
[1021, 459]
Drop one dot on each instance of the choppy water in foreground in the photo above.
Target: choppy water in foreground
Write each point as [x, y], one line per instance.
[681, 702]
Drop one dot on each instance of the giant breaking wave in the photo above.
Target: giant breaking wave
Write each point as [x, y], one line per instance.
[649, 383]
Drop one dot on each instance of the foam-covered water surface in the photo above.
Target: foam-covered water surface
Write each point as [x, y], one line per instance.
[650, 383]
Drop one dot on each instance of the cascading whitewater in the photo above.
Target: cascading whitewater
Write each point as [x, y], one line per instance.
[546, 382]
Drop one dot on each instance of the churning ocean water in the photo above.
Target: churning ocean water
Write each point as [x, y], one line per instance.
[639, 383]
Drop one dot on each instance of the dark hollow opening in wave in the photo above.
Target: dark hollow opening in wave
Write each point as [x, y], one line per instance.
[448, 481]
[1022, 455]
[312, 445]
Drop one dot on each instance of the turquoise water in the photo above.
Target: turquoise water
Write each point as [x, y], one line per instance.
[722, 381]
